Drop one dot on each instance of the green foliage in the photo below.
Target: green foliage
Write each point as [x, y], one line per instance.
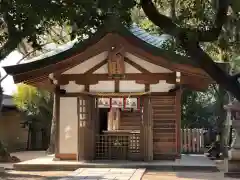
[25, 19]
[142, 21]
[236, 6]
[198, 109]
[35, 103]
[32, 19]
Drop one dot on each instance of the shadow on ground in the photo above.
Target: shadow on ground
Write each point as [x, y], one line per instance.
[10, 176]
[19, 176]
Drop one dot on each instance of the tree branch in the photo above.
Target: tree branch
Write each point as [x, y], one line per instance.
[191, 43]
[14, 37]
[216, 90]
[173, 29]
[206, 63]
[160, 20]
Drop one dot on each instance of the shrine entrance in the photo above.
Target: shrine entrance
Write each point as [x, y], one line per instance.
[103, 119]
[118, 129]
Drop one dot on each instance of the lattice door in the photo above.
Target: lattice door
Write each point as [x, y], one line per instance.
[86, 128]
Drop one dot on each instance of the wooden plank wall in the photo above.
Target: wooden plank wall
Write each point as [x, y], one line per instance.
[130, 120]
[164, 127]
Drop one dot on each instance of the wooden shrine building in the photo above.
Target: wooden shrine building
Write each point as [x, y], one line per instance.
[117, 96]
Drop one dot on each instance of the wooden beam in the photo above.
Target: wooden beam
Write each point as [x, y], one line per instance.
[153, 78]
[117, 85]
[87, 87]
[68, 94]
[94, 78]
[191, 82]
[147, 82]
[96, 67]
[137, 66]
[147, 87]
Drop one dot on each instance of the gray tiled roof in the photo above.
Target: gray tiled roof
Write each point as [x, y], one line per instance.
[156, 41]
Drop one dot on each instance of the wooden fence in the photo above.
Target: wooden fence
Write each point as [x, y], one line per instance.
[192, 140]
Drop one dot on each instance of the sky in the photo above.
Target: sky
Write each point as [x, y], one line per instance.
[8, 85]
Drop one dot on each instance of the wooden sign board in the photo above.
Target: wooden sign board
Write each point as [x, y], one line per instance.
[116, 66]
[103, 102]
[117, 102]
[131, 103]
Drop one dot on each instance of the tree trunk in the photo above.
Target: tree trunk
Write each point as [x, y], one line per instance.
[190, 40]
[221, 120]
[51, 148]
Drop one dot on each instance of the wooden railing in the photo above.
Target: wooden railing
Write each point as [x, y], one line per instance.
[119, 146]
[192, 140]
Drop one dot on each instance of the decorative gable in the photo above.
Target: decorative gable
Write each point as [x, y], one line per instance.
[152, 68]
[116, 67]
[88, 64]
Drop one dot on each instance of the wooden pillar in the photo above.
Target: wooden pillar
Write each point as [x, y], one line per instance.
[142, 140]
[178, 122]
[92, 127]
[80, 130]
[96, 115]
[150, 131]
[146, 134]
[56, 112]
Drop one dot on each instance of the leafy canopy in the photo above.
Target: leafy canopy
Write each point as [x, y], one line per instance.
[31, 19]
[26, 19]
[35, 103]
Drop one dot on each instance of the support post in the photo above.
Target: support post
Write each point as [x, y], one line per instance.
[150, 131]
[178, 122]
[146, 136]
[56, 121]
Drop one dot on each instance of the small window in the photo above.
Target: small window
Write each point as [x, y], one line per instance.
[82, 112]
